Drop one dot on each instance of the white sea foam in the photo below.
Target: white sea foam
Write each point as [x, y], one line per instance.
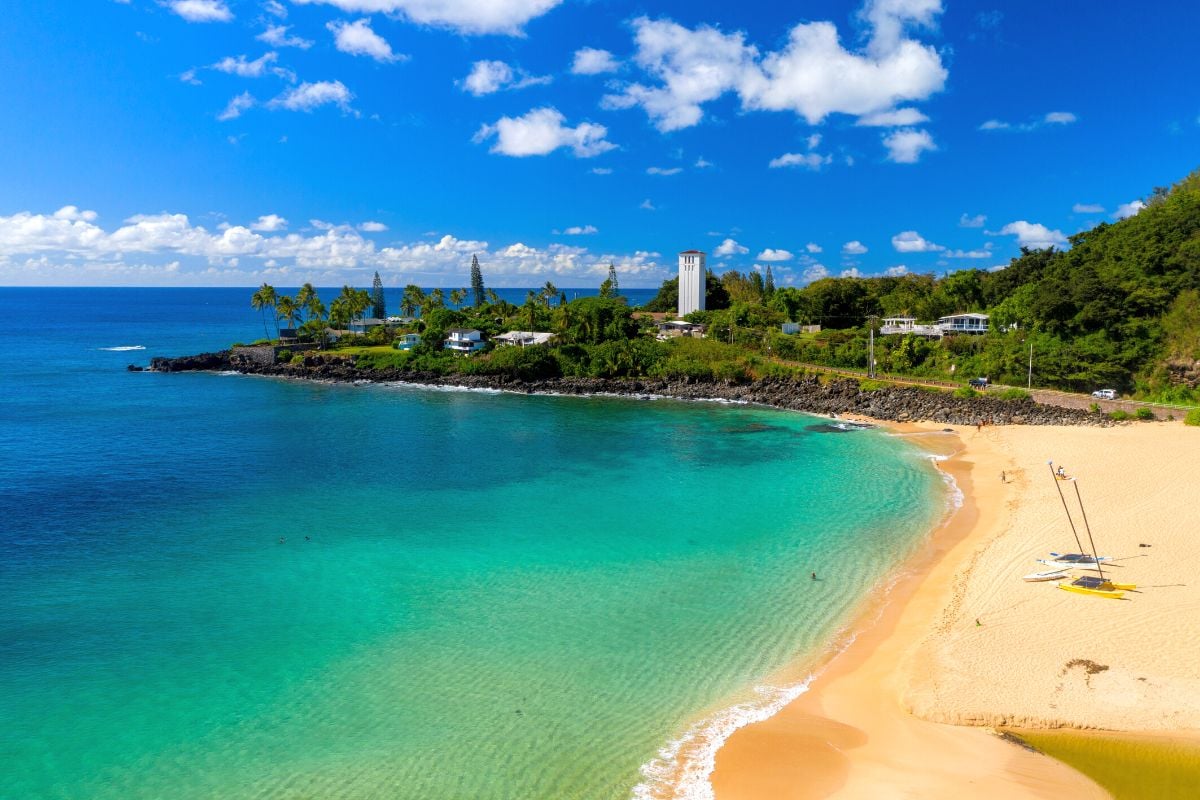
[682, 767]
[122, 348]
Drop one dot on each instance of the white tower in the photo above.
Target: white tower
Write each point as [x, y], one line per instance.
[692, 278]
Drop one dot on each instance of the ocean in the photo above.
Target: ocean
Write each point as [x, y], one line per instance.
[220, 586]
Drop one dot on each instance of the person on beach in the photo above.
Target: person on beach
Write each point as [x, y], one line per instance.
[814, 576]
[1003, 478]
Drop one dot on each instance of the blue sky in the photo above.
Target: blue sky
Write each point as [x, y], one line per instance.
[228, 142]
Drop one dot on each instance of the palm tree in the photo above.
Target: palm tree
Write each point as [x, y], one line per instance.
[315, 308]
[549, 291]
[457, 296]
[492, 297]
[287, 308]
[531, 304]
[304, 299]
[436, 298]
[263, 299]
[413, 299]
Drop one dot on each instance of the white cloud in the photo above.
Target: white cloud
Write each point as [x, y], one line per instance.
[190, 77]
[357, 39]
[371, 226]
[853, 248]
[813, 247]
[729, 247]
[895, 118]
[913, 242]
[308, 96]
[646, 205]
[896, 271]
[813, 161]
[1128, 209]
[269, 223]
[1087, 208]
[813, 75]
[73, 214]
[276, 8]
[68, 246]
[906, 145]
[852, 272]
[1034, 235]
[967, 221]
[663, 170]
[702, 163]
[771, 254]
[236, 106]
[464, 16]
[602, 170]
[487, 77]
[1052, 118]
[246, 69]
[815, 272]
[201, 10]
[277, 36]
[986, 252]
[580, 230]
[541, 131]
[591, 61]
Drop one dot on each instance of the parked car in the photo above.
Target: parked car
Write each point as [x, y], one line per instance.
[1105, 394]
[978, 383]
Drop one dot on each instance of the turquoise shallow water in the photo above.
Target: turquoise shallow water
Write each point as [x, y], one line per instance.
[477, 596]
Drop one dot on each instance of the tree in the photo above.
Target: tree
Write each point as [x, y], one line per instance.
[549, 291]
[769, 287]
[610, 287]
[436, 298]
[412, 299]
[304, 299]
[530, 309]
[457, 296]
[286, 308]
[263, 299]
[492, 297]
[477, 281]
[378, 308]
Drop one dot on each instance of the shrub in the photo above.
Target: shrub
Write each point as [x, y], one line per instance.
[1119, 415]
[1192, 417]
[965, 392]
[1144, 414]
[1094, 408]
[283, 356]
[1013, 393]
[236, 344]
[298, 358]
[871, 386]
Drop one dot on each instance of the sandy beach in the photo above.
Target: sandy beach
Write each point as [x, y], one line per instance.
[962, 644]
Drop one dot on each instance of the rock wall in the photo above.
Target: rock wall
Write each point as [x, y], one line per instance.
[808, 393]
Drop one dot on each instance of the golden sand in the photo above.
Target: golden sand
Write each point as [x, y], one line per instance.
[964, 642]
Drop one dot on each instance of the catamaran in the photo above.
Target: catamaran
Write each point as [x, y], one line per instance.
[1048, 575]
[1096, 586]
[1082, 560]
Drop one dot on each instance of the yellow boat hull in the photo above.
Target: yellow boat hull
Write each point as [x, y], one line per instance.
[1114, 593]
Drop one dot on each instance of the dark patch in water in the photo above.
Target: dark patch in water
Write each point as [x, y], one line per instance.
[753, 427]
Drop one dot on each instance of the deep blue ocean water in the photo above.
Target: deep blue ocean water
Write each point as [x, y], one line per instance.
[217, 586]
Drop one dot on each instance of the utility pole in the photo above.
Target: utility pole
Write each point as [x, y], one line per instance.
[871, 348]
[1029, 380]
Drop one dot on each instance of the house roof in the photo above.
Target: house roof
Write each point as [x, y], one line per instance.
[462, 330]
[972, 315]
[689, 252]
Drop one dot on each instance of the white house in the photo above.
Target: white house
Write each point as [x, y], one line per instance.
[407, 341]
[522, 338]
[672, 328]
[692, 278]
[905, 325]
[463, 340]
[964, 323]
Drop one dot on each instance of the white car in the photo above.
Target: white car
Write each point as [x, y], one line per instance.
[1105, 394]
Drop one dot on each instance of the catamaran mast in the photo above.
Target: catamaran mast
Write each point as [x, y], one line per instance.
[1063, 497]
[1087, 527]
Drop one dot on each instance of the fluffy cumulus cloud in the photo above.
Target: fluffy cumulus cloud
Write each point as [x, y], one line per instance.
[813, 247]
[814, 272]
[309, 96]
[464, 16]
[1128, 209]
[235, 107]
[1087, 208]
[541, 131]
[813, 161]
[487, 77]
[913, 242]
[1034, 235]
[854, 248]
[663, 170]
[899, 118]
[371, 226]
[905, 146]
[729, 247]
[240, 66]
[896, 271]
[813, 75]
[201, 10]
[269, 223]
[68, 246]
[969, 221]
[278, 36]
[771, 254]
[591, 61]
[579, 230]
[357, 39]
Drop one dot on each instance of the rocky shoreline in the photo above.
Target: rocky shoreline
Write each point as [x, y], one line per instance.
[818, 395]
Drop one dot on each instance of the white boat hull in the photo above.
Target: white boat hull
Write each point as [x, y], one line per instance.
[1048, 575]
